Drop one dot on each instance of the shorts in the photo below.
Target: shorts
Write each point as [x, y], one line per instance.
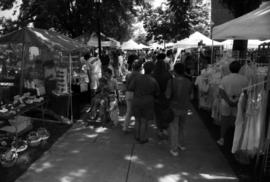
[145, 111]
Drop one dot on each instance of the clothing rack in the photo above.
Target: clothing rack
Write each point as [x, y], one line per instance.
[254, 85]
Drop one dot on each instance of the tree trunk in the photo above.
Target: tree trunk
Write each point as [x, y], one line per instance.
[240, 48]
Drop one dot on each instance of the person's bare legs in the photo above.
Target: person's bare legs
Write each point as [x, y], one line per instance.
[128, 115]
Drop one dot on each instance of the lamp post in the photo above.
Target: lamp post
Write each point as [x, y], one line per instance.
[98, 3]
[200, 45]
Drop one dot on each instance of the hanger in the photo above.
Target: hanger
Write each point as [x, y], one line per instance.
[254, 85]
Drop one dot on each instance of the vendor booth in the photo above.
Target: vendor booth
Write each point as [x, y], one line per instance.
[251, 134]
[34, 74]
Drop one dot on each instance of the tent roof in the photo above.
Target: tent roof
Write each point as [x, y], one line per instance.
[194, 39]
[130, 45]
[143, 46]
[41, 38]
[92, 40]
[156, 45]
[253, 25]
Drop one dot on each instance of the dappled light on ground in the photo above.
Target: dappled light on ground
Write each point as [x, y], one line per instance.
[134, 159]
[217, 177]
[75, 151]
[44, 166]
[101, 130]
[159, 166]
[91, 135]
[172, 178]
[73, 176]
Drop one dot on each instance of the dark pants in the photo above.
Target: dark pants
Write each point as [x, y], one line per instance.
[141, 129]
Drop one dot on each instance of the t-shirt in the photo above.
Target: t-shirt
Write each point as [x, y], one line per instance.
[178, 90]
[145, 88]
[131, 77]
[232, 84]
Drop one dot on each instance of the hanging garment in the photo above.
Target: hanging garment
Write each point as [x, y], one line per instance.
[252, 131]
[250, 71]
[203, 87]
[239, 123]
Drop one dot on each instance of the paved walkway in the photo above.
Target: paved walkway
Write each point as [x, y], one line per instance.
[108, 155]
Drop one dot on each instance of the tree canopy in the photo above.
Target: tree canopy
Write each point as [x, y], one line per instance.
[74, 17]
[241, 7]
[176, 21]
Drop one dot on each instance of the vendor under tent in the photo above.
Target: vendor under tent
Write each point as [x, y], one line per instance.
[44, 39]
[193, 40]
[91, 40]
[253, 25]
[131, 45]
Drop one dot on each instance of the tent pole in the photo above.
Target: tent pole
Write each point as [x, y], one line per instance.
[70, 89]
[22, 69]
[212, 52]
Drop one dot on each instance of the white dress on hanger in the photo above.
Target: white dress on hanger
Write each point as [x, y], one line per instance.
[252, 132]
[239, 124]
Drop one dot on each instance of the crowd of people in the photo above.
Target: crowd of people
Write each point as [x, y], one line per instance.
[156, 88]
[152, 83]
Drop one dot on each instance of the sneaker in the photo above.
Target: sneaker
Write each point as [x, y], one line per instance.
[182, 147]
[174, 153]
[220, 142]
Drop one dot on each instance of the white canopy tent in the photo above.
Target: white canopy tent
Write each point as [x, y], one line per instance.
[131, 45]
[106, 42]
[194, 39]
[156, 45]
[143, 46]
[253, 25]
[169, 44]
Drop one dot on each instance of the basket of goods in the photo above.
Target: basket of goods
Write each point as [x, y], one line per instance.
[28, 101]
[20, 145]
[33, 139]
[9, 158]
[43, 134]
[40, 99]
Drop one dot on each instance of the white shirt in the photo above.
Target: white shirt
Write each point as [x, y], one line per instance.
[233, 85]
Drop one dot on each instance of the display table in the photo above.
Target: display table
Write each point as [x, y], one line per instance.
[60, 104]
[8, 118]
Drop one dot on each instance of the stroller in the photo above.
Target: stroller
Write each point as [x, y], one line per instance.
[103, 109]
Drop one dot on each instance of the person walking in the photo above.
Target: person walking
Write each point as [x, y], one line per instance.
[145, 89]
[136, 69]
[230, 89]
[162, 75]
[178, 91]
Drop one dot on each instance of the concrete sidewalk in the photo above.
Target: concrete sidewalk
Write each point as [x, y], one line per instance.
[109, 155]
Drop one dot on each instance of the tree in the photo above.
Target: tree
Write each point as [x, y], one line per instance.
[74, 17]
[199, 18]
[239, 8]
[177, 21]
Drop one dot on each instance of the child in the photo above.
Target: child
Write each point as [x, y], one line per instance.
[107, 98]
